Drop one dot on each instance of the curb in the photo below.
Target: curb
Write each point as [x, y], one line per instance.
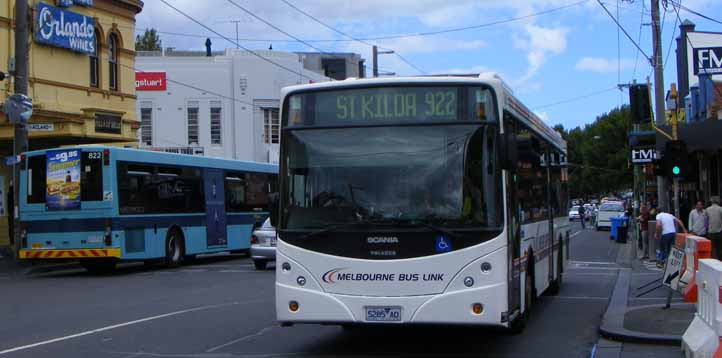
[612, 326]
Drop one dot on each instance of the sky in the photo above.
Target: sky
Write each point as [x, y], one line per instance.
[562, 58]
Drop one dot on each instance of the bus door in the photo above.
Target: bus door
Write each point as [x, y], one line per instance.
[215, 208]
[514, 243]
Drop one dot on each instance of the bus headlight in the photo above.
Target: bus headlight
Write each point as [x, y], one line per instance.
[485, 267]
[301, 281]
[286, 266]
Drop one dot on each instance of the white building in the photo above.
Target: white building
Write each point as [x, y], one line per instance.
[223, 105]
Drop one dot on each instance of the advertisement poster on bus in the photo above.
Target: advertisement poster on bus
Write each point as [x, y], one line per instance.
[63, 179]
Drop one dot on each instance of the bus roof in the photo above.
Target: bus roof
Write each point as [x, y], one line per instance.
[504, 93]
[156, 157]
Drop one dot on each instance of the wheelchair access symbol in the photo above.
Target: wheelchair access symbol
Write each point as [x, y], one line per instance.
[443, 244]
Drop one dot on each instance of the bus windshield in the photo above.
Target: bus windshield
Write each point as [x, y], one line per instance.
[446, 174]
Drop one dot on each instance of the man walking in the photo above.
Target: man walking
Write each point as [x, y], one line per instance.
[582, 218]
[698, 219]
[643, 219]
[667, 231]
[714, 229]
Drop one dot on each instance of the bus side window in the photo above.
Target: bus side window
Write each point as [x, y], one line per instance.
[91, 176]
[36, 179]
[235, 188]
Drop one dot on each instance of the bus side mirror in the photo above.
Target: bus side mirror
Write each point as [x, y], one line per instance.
[273, 208]
[509, 153]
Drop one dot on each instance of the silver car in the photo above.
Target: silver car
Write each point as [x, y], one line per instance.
[263, 245]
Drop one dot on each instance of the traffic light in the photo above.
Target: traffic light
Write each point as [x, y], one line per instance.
[676, 162]
[640, 107]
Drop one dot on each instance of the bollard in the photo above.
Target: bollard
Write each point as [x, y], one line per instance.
[696, 248]
[702, 337]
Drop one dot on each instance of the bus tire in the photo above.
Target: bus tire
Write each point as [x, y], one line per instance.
[173, 248]
[556, 285]
[102, 266]
[260, 264]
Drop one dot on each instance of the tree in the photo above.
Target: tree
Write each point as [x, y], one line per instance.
[598, 155]
[149, 41]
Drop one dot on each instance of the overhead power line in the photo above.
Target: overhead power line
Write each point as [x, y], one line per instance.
[233, 42]
[674, 32]
[679, 3]
[574, 98]
[625, 31]
[350, 36]
[281, 30]
[393, 36]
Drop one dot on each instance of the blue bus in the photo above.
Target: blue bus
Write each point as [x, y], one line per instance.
[101, 205]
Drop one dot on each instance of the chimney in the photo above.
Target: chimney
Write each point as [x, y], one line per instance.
[208, 47]
[682, 63]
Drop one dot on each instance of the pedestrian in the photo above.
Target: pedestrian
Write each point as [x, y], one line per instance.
[714, 229]
[698, 219]
[643, 219]
[581, 215]
[666, 233]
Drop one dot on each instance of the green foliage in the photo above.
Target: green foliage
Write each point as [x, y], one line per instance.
[598, 154]
[149, 41]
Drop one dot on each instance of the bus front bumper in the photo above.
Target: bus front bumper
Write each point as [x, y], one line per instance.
[69, 254]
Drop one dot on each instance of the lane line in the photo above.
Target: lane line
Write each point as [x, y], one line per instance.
[257, 334]
[580, 297]
[593, 262]
[588, 274]
[575, 234]
[137, 321]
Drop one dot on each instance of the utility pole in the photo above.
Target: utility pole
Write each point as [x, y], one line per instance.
[658, 92]
[20, 143]
[375, 55]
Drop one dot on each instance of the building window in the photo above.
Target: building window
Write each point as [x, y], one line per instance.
[192, 123]
[113, 62]
[94, 62]
[215, 122]
[146, 123]
[271, 125]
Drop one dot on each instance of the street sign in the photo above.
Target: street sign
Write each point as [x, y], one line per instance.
[41, 127]
[673, 268]
[643, 155]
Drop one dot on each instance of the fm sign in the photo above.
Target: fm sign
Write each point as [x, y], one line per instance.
[643, 155]
[708, 60]
[150, 81]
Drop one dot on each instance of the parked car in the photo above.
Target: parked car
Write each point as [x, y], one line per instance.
[263, 245]
[607, 211]
[574, 213]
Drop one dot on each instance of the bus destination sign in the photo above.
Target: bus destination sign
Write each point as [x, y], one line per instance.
[388, 104]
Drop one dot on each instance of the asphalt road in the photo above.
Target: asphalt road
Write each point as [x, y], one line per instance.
[222, 307]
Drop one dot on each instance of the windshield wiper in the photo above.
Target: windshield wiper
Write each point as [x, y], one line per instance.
[338, 226]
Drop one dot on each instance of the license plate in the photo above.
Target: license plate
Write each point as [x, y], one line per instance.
[383, 314]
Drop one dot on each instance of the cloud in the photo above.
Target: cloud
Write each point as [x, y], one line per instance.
[543, 115]
[603, 65]
[539, 42]
[465, 70]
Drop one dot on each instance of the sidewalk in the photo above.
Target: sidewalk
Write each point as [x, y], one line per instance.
[644, 319]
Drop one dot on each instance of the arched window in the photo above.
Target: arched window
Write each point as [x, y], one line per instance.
[113, 62]
[95, 61]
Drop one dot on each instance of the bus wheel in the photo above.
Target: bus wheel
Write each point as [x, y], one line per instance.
[556, 285]
[260, 264]
[99, 266]
[173, 248]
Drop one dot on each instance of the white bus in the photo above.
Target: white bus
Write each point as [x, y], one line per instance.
[417, 200]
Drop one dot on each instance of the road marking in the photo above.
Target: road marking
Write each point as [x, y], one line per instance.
[575, 234]
[655, 299]
[242, 271]
[593, 262]
[580, 297]
[146, 319]
[588, 274]
[259, 333]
